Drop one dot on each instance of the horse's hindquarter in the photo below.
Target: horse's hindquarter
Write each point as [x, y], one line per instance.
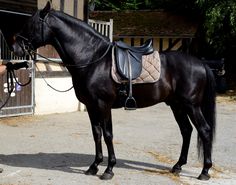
[188, 77]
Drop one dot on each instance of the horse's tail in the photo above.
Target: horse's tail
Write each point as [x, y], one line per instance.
[208, 107]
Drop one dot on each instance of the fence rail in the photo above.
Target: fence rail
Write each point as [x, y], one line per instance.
[103, 27]
[159, 43]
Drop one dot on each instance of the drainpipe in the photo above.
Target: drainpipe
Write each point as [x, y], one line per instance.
[86, 11]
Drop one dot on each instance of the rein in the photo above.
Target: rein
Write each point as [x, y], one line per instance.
[65, 65]
[30, 52]
[27, 46]
[61, 91]
[11, 78]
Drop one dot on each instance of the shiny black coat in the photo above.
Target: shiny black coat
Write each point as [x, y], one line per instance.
[185, 84]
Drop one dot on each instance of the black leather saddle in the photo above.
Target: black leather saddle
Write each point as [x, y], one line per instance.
[129, 65]
[129, 59]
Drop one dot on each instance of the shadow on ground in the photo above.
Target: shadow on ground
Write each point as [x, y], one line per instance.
[69, 162]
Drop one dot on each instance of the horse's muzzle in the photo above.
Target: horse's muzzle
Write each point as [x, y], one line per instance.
[18, 50]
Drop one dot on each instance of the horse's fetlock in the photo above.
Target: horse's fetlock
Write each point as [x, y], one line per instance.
[208, 165]
[99, 160]
[113, 161]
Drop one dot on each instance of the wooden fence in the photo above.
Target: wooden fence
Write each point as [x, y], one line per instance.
[159, 43]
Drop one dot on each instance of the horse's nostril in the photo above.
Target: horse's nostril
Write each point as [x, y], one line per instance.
[18, 51]
[14, 39]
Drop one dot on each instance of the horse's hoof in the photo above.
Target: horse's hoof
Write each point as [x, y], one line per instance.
[176, 170]
[1, 170]
[107, 176]
[204, 177]
[91, 171]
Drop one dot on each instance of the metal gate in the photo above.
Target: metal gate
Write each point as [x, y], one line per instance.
[21, 101]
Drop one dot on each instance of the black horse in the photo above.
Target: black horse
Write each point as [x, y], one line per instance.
[185, 84]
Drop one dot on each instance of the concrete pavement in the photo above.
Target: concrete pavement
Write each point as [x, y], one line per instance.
[56, 149]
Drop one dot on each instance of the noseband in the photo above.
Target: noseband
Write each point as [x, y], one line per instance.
[26, 44]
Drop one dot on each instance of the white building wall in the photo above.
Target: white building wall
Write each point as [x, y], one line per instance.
[49, 101]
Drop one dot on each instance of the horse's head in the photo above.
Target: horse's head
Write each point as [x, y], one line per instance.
[34, 34]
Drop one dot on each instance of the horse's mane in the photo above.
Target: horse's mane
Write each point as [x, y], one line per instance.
[77, 23]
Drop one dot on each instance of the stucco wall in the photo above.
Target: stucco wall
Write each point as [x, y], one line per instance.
[48, 101]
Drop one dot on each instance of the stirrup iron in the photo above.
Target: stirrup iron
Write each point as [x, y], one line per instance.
[130, 103]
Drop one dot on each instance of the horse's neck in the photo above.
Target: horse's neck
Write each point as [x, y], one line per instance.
[74, 43]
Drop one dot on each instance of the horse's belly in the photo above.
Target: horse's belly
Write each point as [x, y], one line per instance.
[145, 95]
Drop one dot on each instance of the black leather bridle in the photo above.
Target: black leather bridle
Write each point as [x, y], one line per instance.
[28, 48]
[26, 43]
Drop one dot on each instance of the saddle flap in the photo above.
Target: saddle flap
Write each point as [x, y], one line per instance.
[129, 64]
[129, 58]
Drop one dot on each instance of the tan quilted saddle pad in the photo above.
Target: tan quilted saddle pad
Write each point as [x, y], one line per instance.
[150, 71]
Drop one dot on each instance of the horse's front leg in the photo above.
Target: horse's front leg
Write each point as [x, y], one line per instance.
[108, 137]
[97, 134]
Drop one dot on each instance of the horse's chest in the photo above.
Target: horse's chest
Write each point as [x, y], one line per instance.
[80, 89]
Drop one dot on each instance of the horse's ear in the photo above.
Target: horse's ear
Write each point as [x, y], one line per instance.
[45, 10]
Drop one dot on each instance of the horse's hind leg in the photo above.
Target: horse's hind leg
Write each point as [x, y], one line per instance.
[186, 131]
[204, 132]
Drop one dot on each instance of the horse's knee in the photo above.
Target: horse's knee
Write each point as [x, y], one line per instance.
[97, 133]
